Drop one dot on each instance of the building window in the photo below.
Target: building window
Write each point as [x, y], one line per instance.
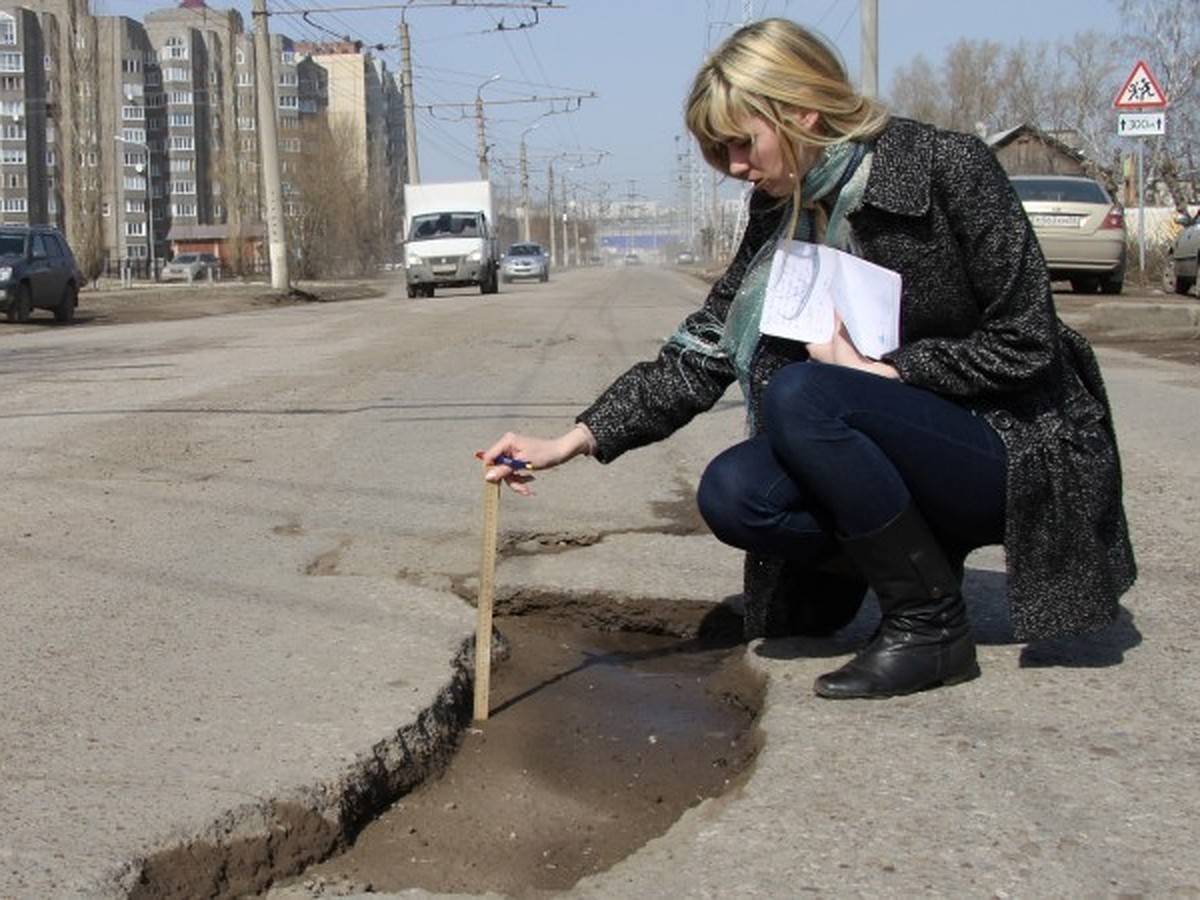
[133, 113]
[8, 29]
[12, 62]
[183, 210]
[175, 49]
[12, 156]
[180, 98]
[183, 187]
[180, 142]
[16, 205]
[176, 73]
[181, 120]
[135, 229]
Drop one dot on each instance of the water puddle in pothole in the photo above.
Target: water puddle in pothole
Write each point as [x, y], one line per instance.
[596, 743]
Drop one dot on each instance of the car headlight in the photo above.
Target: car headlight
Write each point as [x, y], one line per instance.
[413, 260]
[5, 273]
[475, 255]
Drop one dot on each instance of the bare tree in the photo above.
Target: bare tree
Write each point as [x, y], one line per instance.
[1167, 33]
[916, 92]
[78, 122]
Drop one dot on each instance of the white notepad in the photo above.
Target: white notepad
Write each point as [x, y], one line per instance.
[808, 282]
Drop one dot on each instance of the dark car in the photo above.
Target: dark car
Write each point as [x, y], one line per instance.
[525, 261]
[37, 271]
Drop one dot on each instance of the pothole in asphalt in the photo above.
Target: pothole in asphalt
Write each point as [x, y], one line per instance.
[598, 740]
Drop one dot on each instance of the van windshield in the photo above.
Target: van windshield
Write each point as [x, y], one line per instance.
[444, 225]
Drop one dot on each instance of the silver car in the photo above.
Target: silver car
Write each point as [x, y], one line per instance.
[191, 267]
[1080, 228]
[1185, 253]
[525, 261]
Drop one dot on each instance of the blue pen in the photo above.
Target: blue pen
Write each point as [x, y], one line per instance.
[512, 462]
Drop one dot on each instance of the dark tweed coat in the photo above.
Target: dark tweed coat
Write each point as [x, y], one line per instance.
[977, 326]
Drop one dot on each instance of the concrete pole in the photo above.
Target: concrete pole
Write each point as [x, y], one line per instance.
[410, 115]
[269, 148]
[481, 148]
[870, 47]
[524, 193]
[566, 244]
[550, 210]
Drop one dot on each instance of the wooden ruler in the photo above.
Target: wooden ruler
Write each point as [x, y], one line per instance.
[487, 596]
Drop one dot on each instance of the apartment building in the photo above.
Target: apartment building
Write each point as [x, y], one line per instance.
[140, 139]
[365, 112]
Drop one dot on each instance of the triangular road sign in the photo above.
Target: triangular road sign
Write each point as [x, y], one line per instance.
[1141, 91]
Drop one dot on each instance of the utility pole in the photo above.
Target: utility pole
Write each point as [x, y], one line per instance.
[481, 131]
[269, 148]
[566, 213]
[870, 47]
[406, 75]
[550, 208]
[410, 116]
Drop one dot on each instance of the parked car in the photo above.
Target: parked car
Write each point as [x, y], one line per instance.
[632, 259]
[191, 267]
[38, 271]
[1080, 227]
[525, 261]
[685, 258]
[1185, 253]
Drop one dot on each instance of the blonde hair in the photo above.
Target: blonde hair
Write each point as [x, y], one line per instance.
[770, 69]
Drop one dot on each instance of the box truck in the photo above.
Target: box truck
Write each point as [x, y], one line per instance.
[449, 237]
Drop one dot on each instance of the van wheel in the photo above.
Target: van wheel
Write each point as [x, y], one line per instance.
[21, 306]
[65, 311]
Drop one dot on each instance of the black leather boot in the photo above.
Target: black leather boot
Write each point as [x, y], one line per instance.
[782, 598]
[924, 639]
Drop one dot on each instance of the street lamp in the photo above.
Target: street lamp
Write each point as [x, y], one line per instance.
[149, 200]
[479, 128]
[525, 185]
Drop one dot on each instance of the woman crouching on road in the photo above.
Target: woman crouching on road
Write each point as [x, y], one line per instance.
[987, 424]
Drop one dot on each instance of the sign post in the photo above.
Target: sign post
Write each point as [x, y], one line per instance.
[1139, 94]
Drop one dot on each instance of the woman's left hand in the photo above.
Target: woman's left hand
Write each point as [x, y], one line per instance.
[840, 351]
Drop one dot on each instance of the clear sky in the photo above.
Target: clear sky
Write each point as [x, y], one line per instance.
[636, 56]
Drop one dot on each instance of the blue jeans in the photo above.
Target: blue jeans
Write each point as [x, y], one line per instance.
[842, 453]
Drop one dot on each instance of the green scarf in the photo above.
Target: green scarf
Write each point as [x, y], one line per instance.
[841, 171]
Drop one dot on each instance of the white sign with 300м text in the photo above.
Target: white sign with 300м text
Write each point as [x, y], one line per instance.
[1141, 124]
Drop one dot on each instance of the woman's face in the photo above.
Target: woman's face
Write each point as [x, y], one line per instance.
[759, 158]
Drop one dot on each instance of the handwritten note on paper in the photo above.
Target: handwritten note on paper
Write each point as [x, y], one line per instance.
[808, 283]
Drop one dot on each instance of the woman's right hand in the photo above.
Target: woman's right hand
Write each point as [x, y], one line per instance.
[539, 453]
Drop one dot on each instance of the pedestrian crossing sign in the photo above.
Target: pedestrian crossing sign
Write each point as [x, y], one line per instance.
[1141, 91]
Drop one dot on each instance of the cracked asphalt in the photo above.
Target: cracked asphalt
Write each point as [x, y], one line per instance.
[240, 552]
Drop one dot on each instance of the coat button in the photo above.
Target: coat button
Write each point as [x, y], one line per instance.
[1002, 420]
